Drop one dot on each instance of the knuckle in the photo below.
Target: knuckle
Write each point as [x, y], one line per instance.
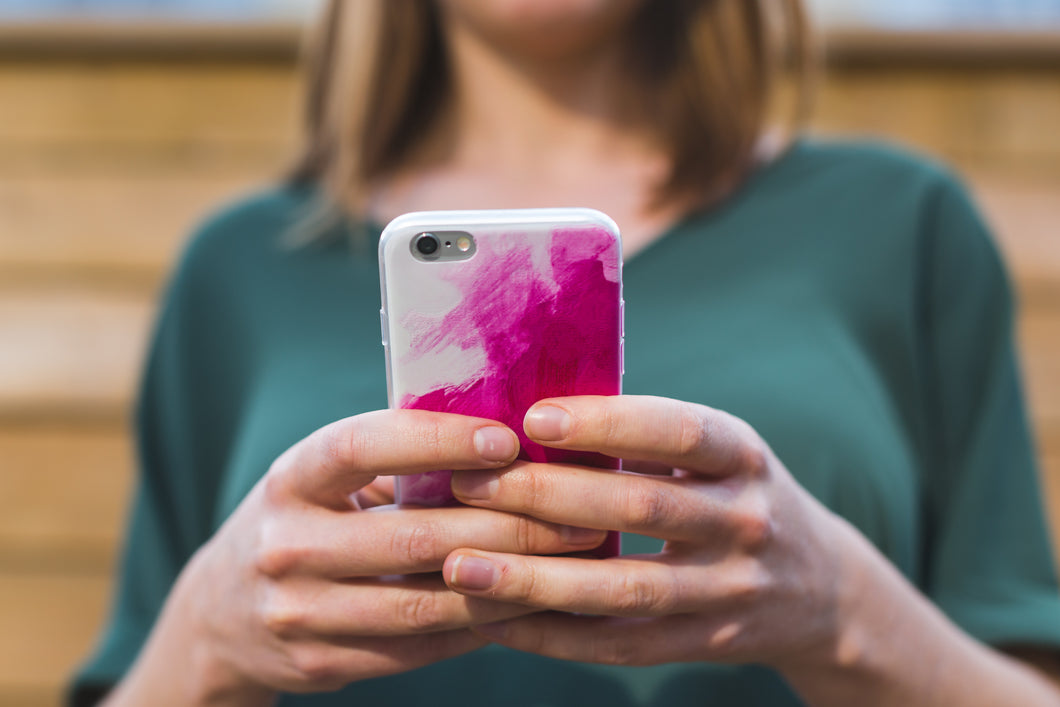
[282, 617]
[755, 527]
[420, 612]
[692, 433]
[611, 422]
[431, 435]
[314, 666]
[749, 585]
[532, 488]
[726, 640]
[275, 559]
[350, 443]
[636, 595]
[345, 445]
[753, 455]
[646, 506]
[275, 488]
[525, 533]
[530, 590]
[417, 543]
[276, 562]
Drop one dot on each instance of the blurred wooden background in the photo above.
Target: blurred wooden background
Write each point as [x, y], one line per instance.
[111, 148]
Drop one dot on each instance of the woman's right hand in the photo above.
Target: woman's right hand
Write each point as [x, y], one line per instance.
[301, 591]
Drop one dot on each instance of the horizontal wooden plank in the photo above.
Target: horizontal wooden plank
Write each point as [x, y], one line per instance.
[851, 47]
[105, 223]
[274, 41]
[63, 497]
[70, 347]
[48, 624]
[191, 158]
[135, 102]
[992, 120]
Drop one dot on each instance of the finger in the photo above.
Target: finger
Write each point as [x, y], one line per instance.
[388, 540]
[399, 606]
[660, 430]
[390, 655]
[316, 666]
[629, 586]
[662, 507]
[343, 457]
[604, 640]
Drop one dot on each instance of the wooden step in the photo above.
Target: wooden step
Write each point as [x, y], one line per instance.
[190, 158]
[70, 349]
[144, 102]
[63, 496]
[48, 624]
[106, 224]
[978, 119]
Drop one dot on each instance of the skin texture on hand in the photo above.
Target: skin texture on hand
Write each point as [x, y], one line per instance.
[302, 591]
[747, 572]
[753, 569]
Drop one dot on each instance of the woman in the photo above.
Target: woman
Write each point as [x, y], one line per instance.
[885, 547]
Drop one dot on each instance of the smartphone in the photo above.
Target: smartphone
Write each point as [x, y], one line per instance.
[487, 312]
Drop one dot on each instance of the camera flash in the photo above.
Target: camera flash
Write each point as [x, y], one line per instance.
[464, 244]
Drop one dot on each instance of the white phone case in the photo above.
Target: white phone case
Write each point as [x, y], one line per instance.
[534, 312]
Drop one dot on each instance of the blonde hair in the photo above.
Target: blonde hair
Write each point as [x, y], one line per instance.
[377, 73]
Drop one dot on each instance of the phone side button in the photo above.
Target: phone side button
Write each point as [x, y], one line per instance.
[622, 355]
[384, 328]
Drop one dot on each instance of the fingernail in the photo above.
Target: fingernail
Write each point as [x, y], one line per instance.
[470, 572]
[495, 444]
[475, 485]
[581, 536]
[547, 423]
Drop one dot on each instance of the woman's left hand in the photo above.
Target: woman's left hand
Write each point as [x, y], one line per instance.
[751, 570]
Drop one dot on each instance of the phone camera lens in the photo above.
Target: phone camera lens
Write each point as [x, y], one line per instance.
[427, 244]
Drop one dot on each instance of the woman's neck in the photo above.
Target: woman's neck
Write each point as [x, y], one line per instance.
[537, 114]
[527, 130]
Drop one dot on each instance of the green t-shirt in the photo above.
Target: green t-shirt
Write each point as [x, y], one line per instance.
[848, 303]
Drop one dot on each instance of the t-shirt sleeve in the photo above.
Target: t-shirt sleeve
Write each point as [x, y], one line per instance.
[989, 561]
[181, 426]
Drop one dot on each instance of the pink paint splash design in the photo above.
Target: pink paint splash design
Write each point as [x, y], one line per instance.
[545, 334]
